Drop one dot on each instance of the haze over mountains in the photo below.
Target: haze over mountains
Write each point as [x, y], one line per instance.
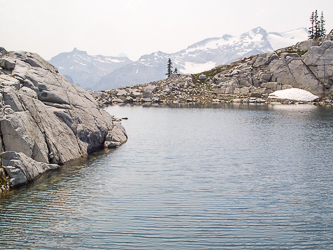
[86, 70]
[102, 73]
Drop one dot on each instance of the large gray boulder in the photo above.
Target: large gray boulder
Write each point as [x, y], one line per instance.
[21, 169]
[264, 59]
[7, 63]
[116, 136]
[44, 116]
[306, 45]
[290, 70]
[2, 51]
[320, 60]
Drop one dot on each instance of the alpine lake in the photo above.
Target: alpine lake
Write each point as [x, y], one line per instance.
[214, 176]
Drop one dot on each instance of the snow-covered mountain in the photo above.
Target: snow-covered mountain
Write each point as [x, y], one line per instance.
[196, 58]
[201, 56]
[285, 39]
[86, 70]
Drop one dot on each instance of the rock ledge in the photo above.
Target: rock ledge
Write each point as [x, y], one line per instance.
[46, 120]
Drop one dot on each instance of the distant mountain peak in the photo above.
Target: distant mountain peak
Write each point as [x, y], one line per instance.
[88, 70]
[81, 52]
[201, 56]
[121, 55]
[226, 36]
[258, 29]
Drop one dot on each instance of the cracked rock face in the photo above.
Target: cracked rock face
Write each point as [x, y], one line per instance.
[44, 116]
[320, 61]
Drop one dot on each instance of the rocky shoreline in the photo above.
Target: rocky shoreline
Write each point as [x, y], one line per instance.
[45, 121]
[307, 65]
[140, 95]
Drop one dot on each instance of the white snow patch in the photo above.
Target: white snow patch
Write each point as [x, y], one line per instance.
[294, 94]
[251, 39]
[114, 60]
[212, 44]
[146, 63]
[285, 39]
[137, 71]
[107, 60]
[191, 68]
[80, 63]
[99, 60]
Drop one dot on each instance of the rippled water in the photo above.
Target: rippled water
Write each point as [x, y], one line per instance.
[223, 176]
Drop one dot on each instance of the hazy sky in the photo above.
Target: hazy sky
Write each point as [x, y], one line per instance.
[137, 27]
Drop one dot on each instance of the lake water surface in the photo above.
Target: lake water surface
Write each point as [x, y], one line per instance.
[214, 177]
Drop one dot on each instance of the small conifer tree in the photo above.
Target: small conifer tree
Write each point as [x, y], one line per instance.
[176, 71]
[322, 25]
[317, 28]
[311, 29]
[316, 25]
[169, 67]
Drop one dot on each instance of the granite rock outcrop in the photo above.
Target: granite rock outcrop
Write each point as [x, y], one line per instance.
[46, 119]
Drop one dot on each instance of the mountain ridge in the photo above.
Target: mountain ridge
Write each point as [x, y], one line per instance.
[86, 70]
[198, 57]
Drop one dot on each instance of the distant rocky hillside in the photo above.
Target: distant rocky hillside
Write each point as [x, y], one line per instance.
[201, 56]
[45, 120]
[86, 70]
[306, 65]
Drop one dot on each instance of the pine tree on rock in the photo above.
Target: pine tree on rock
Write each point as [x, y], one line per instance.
[311, 29]
[317, 25]
[322, 25]
[317, 28]
[169, 66]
